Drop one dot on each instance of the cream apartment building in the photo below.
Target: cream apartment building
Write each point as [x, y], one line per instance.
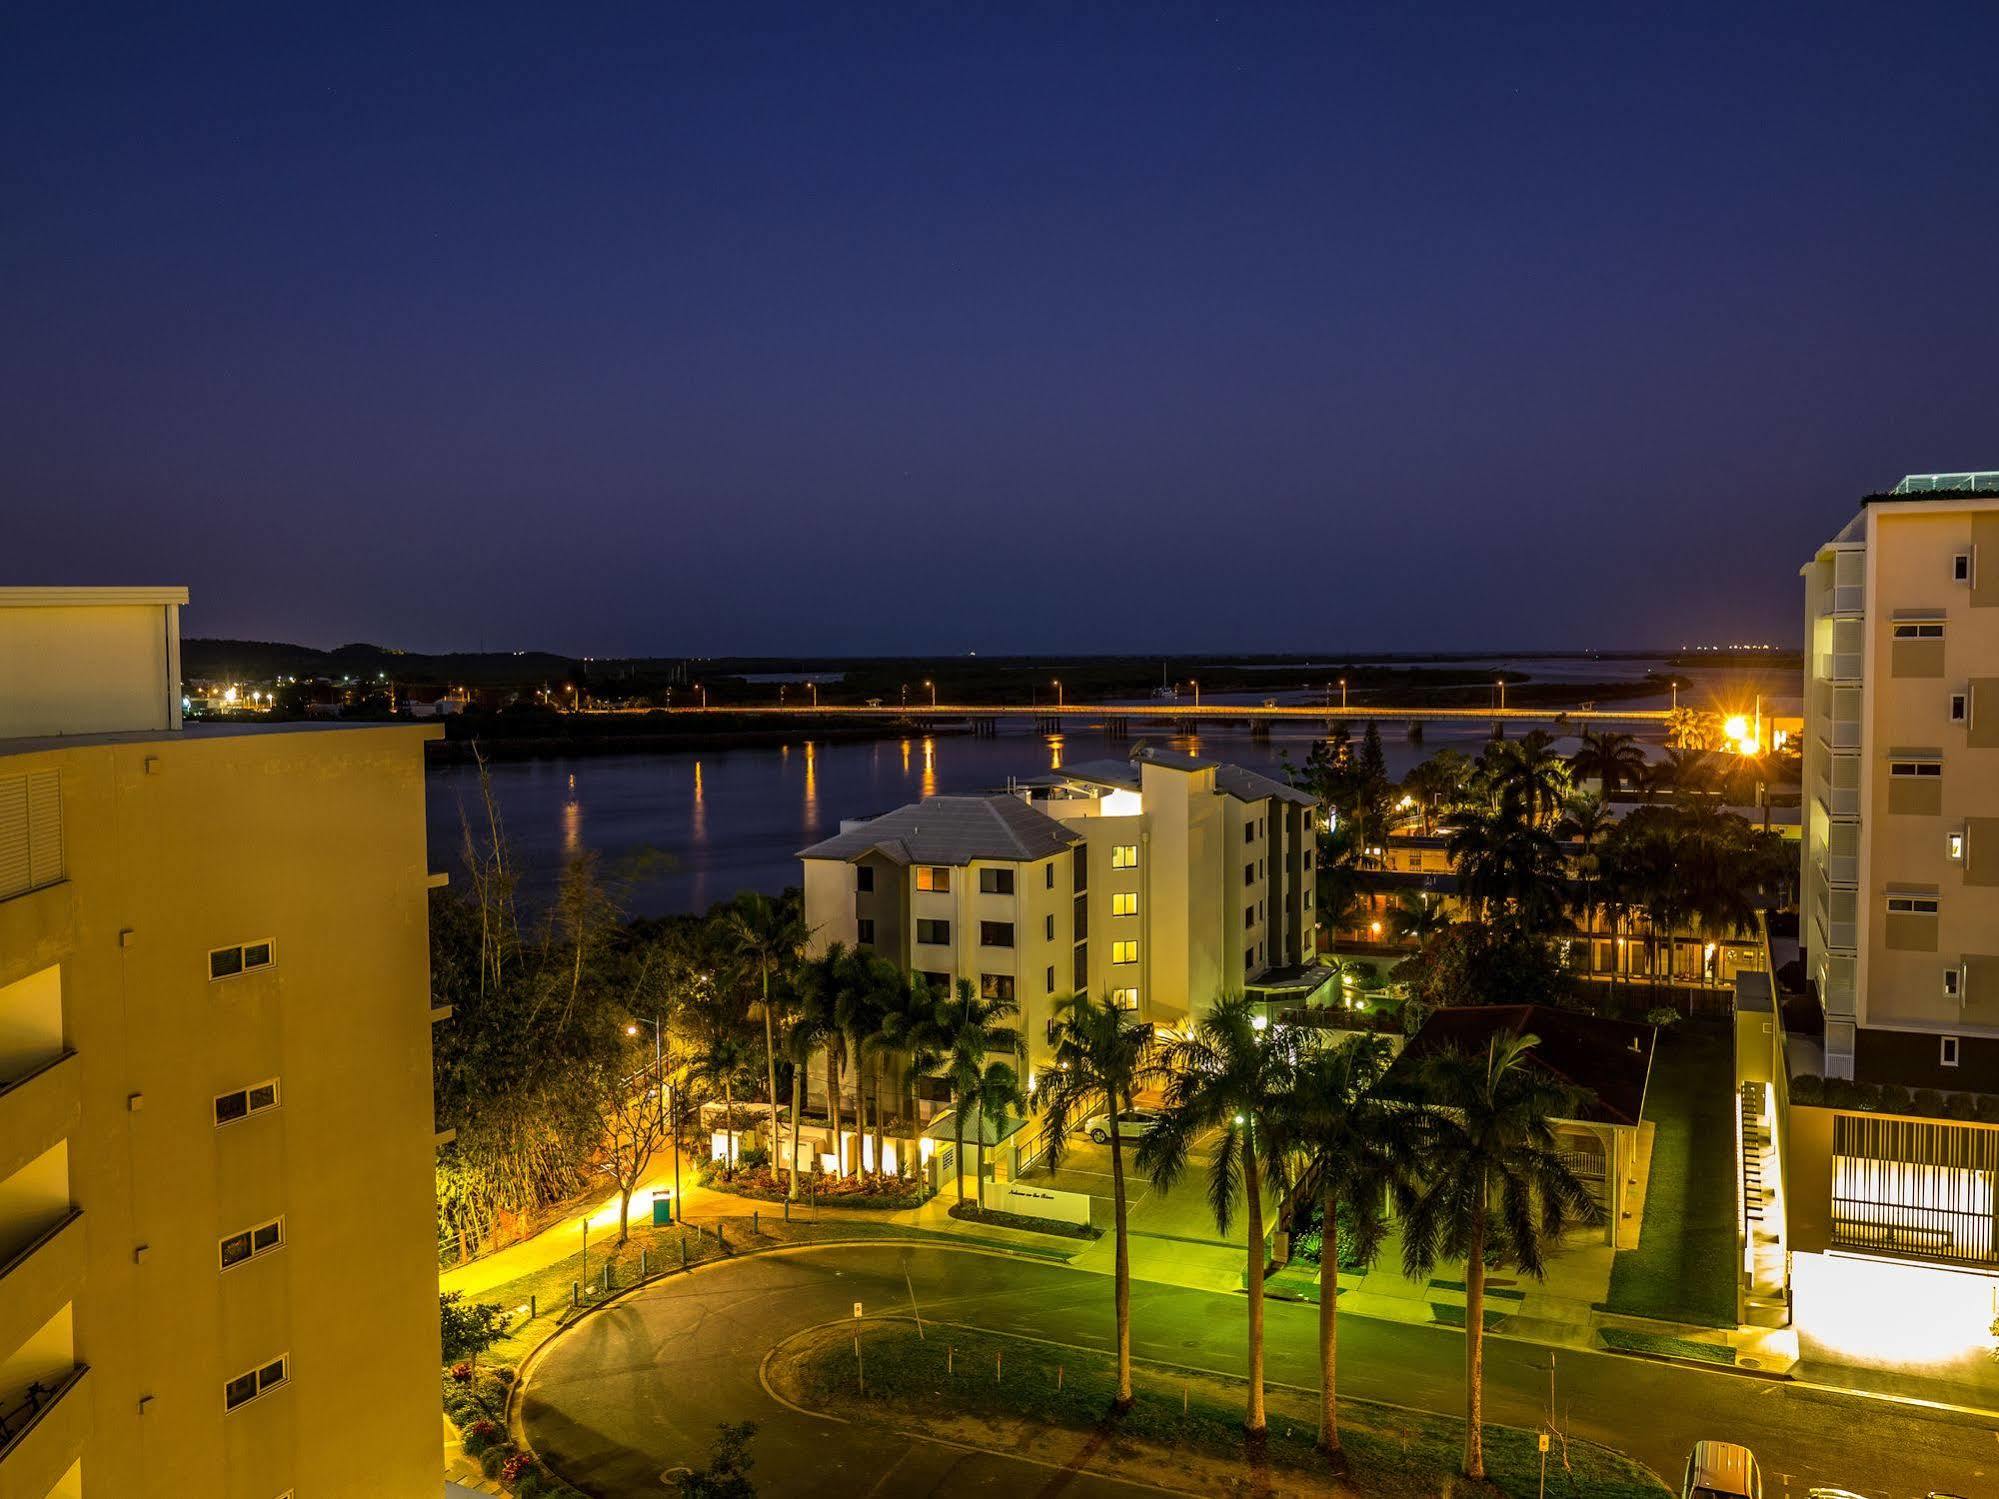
[216, 1174]
[1156, 882]
[1900, 889]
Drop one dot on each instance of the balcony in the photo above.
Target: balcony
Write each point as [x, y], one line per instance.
[41, 1436]
[39, 1108]
[40, 1278]
[1838, 801]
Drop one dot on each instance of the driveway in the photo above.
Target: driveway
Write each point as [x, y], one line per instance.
[639, 1387]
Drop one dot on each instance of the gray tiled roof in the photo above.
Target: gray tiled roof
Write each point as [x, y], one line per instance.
[1172, 759]
[1248, 786]
[952, 830]
[1099, 773]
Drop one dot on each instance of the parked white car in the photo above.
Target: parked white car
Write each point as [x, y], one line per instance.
[1722, 1470]
[1131, 1123]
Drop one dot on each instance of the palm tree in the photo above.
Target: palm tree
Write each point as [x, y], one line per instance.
[1507, 863]
[1492, 1179]
[1415, 916]
[997, 1094]
[1529, 775]
[907, 1041]
[972, 1027]
[1101, 1053]
[721, 1057]
[1614, 759]
[1349, 1144]
[1584, 818]
[765, 936]
[1226, 1076]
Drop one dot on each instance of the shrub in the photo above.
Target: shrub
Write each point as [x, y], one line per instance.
[477, 1441]
[462, 1372]
[1927, 1101]
[1662, 1015]
[753, 1158]
[512, 1469]
[1807, 1088]
[1959, 1106]
[1867, 1095]
[529, 1484]
[504, 1373]
[492, 1460]
[1839, 1093]
[1985, 1108]
[1895, 1099]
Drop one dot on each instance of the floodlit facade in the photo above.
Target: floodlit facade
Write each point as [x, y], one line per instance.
[216, 1138]
[1900, 892]
[1156, 882]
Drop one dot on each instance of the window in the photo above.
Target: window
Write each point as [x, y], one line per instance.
[1049, 987]
[1124, 856]
[1306, 899]
[1960, 568]
[1124, 903]
[996, 986]
[1082, 917]
[1925, 630]
[937, 933]
[1048, 928]
[1960, 707]
[229, 1107]
[227, 962]
[1947, 1051]
[1953, 847]
[933, 877]
[1248, 918]
[864, 931]
[1249, 832]
[1048, 870]
[1953, 984]
[995, 882]
[1081, 967]
[1913, 905]
[864, 877]
[252, 1242]
[1124, 952]
[938, 983]
[1918, 768]
[1249, 874]
[1081, 867]
[996, 934]
[247, 1387]
[1124, 999]
[1309, 854]
[1249, 961]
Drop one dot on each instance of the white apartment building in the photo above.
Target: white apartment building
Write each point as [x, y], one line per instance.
[1900, 892]
[1158, 882]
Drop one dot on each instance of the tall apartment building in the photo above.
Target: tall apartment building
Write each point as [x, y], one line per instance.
[1900, 892]
[1156, 882]
[216, 1173]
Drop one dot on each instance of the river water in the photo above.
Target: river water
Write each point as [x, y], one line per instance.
[735, 819]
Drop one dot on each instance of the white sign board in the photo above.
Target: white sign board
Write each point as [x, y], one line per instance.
[1037, 1202]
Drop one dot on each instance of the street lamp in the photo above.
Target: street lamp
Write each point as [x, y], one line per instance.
[1197, 691]
[933, 691]
[670, 1099]
[1502, 694]
[1058, 692]
[702, 688]
[813, 687]
[1343, 694]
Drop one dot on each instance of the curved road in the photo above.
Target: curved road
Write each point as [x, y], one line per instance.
[639, 1387]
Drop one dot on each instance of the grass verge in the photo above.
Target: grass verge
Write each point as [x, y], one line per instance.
[1183, 1431]
[1683, 1269]
[1624, 1340]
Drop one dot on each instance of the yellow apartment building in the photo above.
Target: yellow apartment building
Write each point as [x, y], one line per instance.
[216, 1175]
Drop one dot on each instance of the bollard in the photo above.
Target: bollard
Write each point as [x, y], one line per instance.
[1058, 1376]
[683, 1251]
[607, 1277]
[755, 1226]
[950, 1357]
[787, 1210]
[1183, 1397]
[721, 1244]
[996, 1368]
[642, 1264]
[532, 1313]
[575, 1293]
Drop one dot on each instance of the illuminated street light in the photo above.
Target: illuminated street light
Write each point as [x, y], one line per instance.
[933, 691]
[1343, 694]
[1058, 692]
[1197, 691]
[813, 687]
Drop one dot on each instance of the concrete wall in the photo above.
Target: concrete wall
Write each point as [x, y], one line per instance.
[88, 661]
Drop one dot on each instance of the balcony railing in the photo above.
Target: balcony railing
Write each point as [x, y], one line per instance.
[42, 1432]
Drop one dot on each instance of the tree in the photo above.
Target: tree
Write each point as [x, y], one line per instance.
[1493, 1181]
[467, 1329]
[1102, 1053]
[727, 1475]
[1226, 1076]
[1614, 759]
[1348, 1145]
[1585, 817]
[1528, 777]
[630, 1094]
[722, 1058]
[766, 935]
[1508, 866]
[973, 1027]
[1416, 917]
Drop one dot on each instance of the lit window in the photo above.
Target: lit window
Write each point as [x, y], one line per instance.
[1925, 631]
[1915, 769]
[1124, 856]
[1947, 1051]
[1124, 903]
[1124, 952]
[227, 962]
[1954, 847]
[259, 1381]
[1124, 999]
[252, 1242]
[996, 986]
[933, 877]
[241, 1104]
[1913, 905]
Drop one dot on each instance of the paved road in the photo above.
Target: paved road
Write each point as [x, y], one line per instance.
[640, 1387]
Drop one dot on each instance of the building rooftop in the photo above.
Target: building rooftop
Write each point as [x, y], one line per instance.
[1982, 481]
[952, 830]
[1612, 1059]
[1248, 786]
[196, 732]
[1230, 780]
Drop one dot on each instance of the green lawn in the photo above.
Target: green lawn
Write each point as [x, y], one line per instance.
[1626, 1341]
[1391, 1452]
[1683, 1269]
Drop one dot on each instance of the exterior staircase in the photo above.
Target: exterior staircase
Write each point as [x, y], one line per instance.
[1765, 1302]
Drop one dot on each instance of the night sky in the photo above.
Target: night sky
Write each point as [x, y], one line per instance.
[663, 329]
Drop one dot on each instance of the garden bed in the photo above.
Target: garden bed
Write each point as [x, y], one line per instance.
[1183, 1431]
[889, 1194]
[971, 1212]
[1656, 1345]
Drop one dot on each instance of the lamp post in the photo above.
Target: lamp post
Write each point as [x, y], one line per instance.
[1343, 694]
[1197, 692]
[933, 691]
[1502, 694]
[670, 1100]
[813, 687]
[702, 688]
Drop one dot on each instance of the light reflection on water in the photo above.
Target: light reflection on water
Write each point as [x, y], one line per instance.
[735, 818]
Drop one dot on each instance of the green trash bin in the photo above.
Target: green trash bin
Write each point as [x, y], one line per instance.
[662, 1209]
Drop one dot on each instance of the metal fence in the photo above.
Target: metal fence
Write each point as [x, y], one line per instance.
[1905, 1186]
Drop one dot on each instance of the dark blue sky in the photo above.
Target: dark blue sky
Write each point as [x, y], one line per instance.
[657, 329]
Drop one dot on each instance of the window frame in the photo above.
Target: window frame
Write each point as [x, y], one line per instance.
[990, 934]
[1124, 856]
[250, 1235]
[1916, 629]
[1914, 905]
[242, 952]
[1949, 1051]
[1002, 881]
[250, 1111]
[864, 879]
[1127, 945]
[933, 924]
[1953, 845]
[864, 931]
[1953, 982]
[1915, 770]
[1128, 899]
[259, 1387]
[933, 873]
[1961, 567]
[1960, 707]
[1124, 998]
